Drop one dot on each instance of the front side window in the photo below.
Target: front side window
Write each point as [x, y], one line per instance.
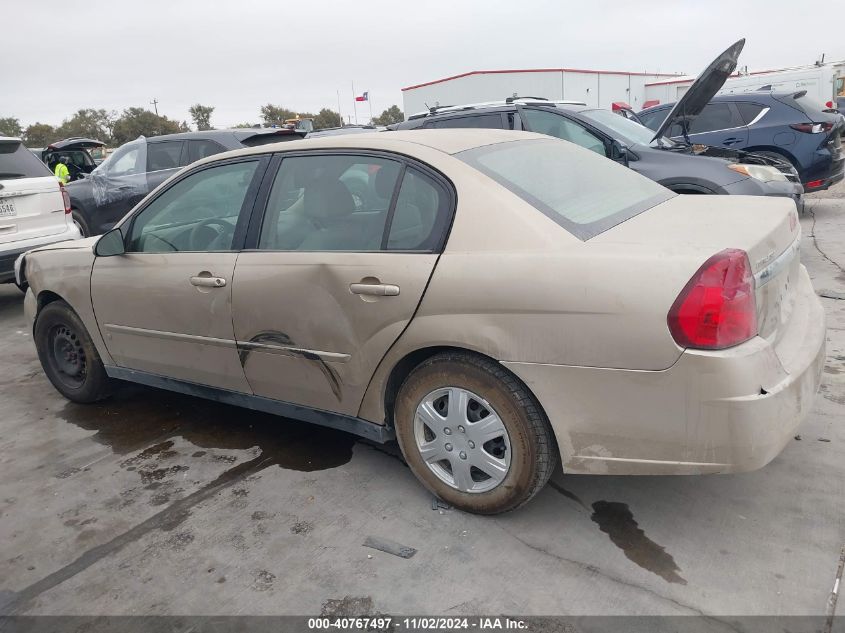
[584, 193]
[551, 124]
[197, 213]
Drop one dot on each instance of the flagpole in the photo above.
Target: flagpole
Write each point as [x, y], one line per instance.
[370, 101]
[354, 103]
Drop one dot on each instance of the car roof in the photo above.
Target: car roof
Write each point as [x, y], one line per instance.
[226, 133]
[753, 95]
[449, 141]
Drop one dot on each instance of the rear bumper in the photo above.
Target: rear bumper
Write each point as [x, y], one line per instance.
[711, 412]
[10, 252]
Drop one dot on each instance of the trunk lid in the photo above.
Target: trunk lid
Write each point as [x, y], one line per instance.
[767, 229]
[704, 88]
[30, 207]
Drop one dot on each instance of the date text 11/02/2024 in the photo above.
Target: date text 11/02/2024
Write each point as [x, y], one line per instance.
[417, 623]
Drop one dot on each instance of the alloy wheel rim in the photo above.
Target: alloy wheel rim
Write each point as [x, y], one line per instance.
[462, 440]
[67, 356]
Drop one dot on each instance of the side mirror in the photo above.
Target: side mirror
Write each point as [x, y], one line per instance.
[110, 244]
[619, 152]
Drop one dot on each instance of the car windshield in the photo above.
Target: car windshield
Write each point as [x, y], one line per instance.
[627, 130]
[582, 191]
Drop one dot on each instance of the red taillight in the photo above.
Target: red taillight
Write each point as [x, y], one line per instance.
[65, 198]
[813, 184]
[812, 128]
[716, 309]
[829, 104]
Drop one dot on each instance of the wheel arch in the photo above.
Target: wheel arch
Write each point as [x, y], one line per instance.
[773, 149]
[411, 360]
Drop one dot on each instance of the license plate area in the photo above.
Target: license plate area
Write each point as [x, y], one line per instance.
[7, 209]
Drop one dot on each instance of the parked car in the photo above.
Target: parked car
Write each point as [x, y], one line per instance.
[786, 125]
[678, 166]
[34, 208]
[78, 151]
[481, 309]
[136, 168]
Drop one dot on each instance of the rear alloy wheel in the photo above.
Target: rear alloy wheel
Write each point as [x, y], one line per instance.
[80, 223]
[473, 434]
[68, 355]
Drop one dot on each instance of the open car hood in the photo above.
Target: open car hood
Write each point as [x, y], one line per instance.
[704, 88]
[76, 143]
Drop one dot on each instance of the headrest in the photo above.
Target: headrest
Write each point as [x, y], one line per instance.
[327, 200]
[384, 182]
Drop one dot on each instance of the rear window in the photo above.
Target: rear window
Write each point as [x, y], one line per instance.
[585, 193]
[18, 162]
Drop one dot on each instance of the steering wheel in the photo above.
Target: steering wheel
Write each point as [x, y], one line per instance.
[221, 228]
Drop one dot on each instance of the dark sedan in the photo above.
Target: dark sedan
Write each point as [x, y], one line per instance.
[788, 125]
[136, 168]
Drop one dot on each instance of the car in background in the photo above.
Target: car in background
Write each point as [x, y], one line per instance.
[784, 125]
[79, 150]
[507, 300]
[677, 166]
[137, 167]
[34, 207]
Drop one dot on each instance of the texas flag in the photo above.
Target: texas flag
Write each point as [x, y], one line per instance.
[363, 97]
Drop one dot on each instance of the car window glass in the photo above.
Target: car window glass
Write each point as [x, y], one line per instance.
[197, 213]
[420, 215]
[18, 162]
[749, 111]
[514, 122]
[584, 193]
[493, 120]
[559, 126]
[163, 155]
[715, 116]
[202, 148]
[653, 120]
[125, 160]
[329, 203]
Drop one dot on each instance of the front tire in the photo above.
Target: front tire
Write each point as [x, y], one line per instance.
[68, 355]
[473, 434]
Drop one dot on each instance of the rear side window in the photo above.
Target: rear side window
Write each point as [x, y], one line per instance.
[164, 155]
[421, 214]
[493, 120]
[18, 162]
[583, 192]
[715, 116]
[202, 148]
[749, 111]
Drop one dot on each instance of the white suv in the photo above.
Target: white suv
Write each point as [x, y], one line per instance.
[34, 207]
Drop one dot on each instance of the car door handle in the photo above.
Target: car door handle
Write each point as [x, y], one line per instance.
[731, 140]
[207, 281]
[377, 290]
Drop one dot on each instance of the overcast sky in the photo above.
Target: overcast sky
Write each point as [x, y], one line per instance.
[237, 55]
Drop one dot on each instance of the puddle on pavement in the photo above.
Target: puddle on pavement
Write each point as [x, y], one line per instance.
[136, 418]
[617, 521]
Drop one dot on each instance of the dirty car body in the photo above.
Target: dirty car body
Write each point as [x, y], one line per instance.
[643, 332]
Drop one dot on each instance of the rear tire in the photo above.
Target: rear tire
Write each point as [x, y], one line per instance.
[68, 355]
[473, 434]
[80, 222]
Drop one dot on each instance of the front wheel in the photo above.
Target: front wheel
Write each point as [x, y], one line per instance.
[68, 355]
[473, 434]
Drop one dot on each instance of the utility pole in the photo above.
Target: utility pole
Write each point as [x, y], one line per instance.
[339, 115]
[154, 103]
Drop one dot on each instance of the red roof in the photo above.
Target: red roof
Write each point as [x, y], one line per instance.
[540, 70]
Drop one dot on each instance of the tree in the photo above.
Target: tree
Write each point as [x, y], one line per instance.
[246, 125]
[275, 115]
[10, 126]
[135, 122]
[40, 135]
[202, 116]
[327, 118]
[89, 123]
[392, 115]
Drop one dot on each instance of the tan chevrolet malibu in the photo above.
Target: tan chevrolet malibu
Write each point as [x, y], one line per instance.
[493, 300]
